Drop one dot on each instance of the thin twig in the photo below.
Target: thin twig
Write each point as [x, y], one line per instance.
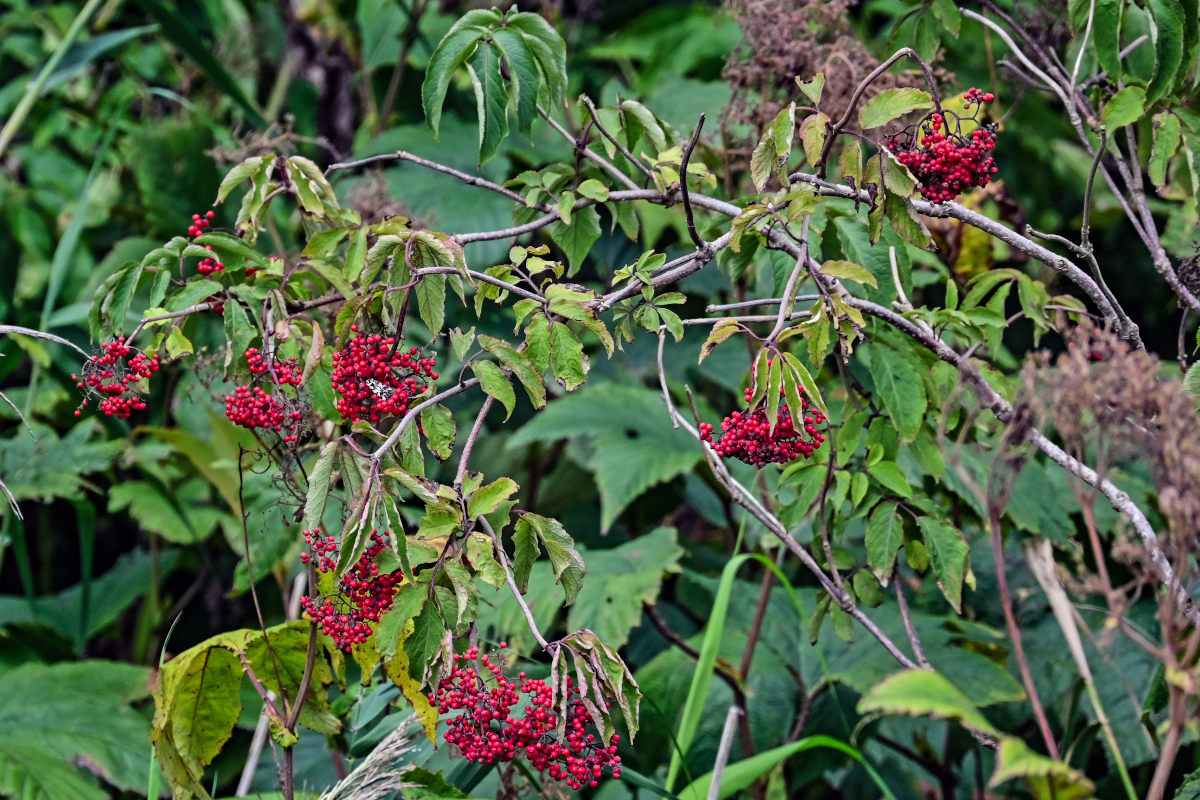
[906, 615]
[622, 149]
[502, 557]
[465, 177]
[588, 152]
[469, 445]
[714, 788]
[701, 245]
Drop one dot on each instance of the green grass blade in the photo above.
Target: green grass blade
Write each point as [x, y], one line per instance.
[85, 513]
[741, 774]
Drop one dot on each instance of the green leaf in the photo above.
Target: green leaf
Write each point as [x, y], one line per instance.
[520, 366]
[451, 53]
[568, 565]
[425, 640]
[813, 131]
[622, 579]
[1167, 33]
[1166, 143]
[576, 239]
[885, 534]
[891, 477]
[812, 87]
[566, 355]
[494, 382]
[318, 487]
[806, 382]
[1047, 777]
[948, 557]
[547, 47]
[848, 271]
[593, 189]
[487, 499]
[891, 104]
[1124, 107]
[923, 692]
[52, 717]
[526, 551]
[431, 302]
[627, 458]
[720, 332]
[1106, 27]
[490, 100]
[523, 73]
[900, 388]
[439, 427]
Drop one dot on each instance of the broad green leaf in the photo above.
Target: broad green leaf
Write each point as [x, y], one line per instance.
[891, 104]
[923, 692]
[522, 73]
[495, 383]
[491, 100]
[621, 580]
[318, 487]
[451, 53]
[570, 363]
[812, 87]
[1124, 107]
[891, 477]
[948, 557]
[1047, 777]
[900, 389]
[576, 239]
[762, 160]
[439, 427]
[720, 332]
[1166, 143]
[547, 47]
[848, 271]
[1106, 28]
[885, 534]
[425, 640]
[568, 565]
[593, 189]
[487, 499]
[520, 366]
[811, 392]
[813, 131]
[431, 302]
[1167, 33]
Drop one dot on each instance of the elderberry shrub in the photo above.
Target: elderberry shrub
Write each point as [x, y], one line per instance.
[374, 377]
[747, 436]
[251, 407]
[488, 732]
[363, 593]
[112, 375]
[943, 160]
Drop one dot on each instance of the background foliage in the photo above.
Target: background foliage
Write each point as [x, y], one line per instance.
[131, 547]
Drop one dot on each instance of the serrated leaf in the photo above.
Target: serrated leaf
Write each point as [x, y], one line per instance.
[537, 342]
[848, 271]
[1106, 28]
[1124, 107]
[762, 160]
[890, 104]
[431, 302]
[495, 383]
[1046, 777]
[948, 557]
[490, 100]
[318, 487]
[806, 382]
[1167, 34]
[813, 131]
[720, 332]
[1166, 143]
[450, 54]
[812, 87]
[885, 534]
[891, 477]
[901, 389]
[523, 74]
[567, 357]
[568, 564]
[921, 693]
[520, 366]
[486, 499]
[576, 239]
[438, 424]
[593, 189]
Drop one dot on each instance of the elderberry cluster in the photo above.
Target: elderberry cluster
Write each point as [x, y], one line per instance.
[374, 377]
[112, 375]
[363, 594]
[209, 265]
[944, 160]
[487, 731]
[251, 407]
[747, 436]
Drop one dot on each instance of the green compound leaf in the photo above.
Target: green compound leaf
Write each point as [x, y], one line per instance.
[452, 52]
[568, 565]
[900, 388]
[491, 101]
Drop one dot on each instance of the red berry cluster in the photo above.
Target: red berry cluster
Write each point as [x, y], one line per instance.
[373, 377]
[112, 376]
[487, 731]
[251, 407]
[747, 436]
[946, 162]
[363, 593]
[208, 265]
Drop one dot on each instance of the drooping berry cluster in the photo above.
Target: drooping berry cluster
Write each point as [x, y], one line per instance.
[487, 731]
[944, 160]
[363, 593]
[113, 375]
[374, 377]
[252, 407]
[747, 437]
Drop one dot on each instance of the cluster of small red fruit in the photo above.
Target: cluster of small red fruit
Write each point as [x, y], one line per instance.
[945, 162]
[113, 375]
[363, 593]
[209, 265]
[487, 731]
[748, 436]
[251, 407]
[374, 377]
